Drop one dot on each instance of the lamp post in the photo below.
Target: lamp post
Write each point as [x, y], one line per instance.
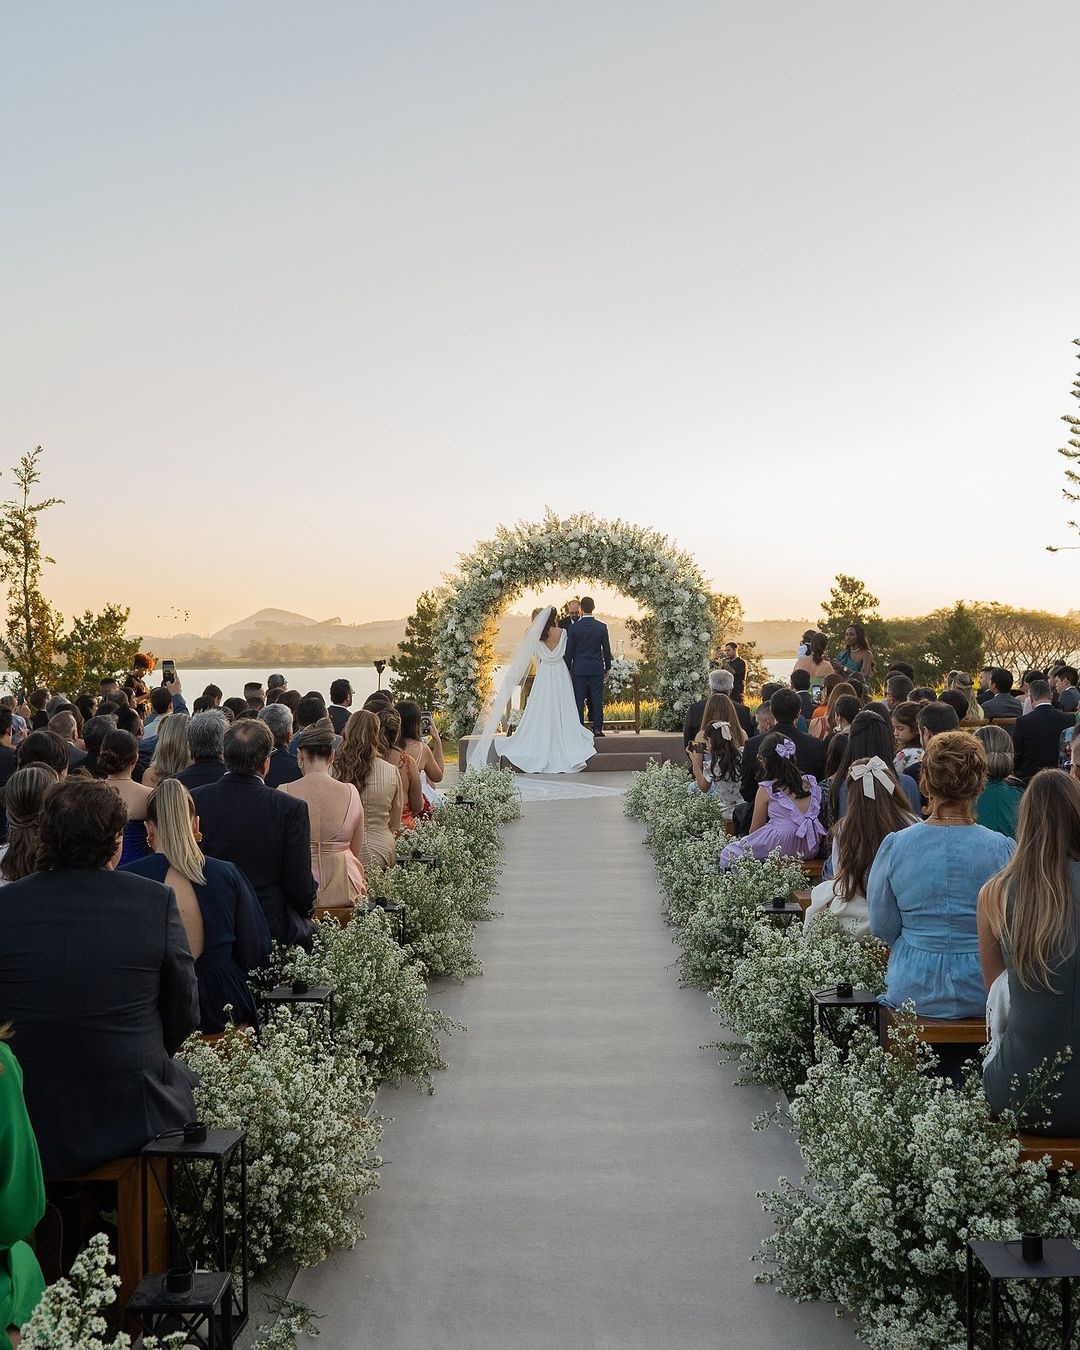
[380, 666]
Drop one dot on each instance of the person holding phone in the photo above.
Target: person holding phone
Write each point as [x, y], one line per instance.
[429, 756]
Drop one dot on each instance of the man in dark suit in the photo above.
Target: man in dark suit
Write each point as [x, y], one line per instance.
[573, 613]
[284, 765]
[263, 832]
[720, 682]
[340, 709]
[97, 977]
[1001, 702]
[1037, 735]
[588, 656]
[206, 736]
[809, 752]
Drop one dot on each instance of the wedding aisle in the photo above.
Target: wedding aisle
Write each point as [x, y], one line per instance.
[585, 1174]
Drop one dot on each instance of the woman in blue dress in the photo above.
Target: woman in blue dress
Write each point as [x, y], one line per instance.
[922, 890]
[225, 925]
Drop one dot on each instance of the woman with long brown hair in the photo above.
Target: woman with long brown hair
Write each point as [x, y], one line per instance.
[823, 722]
[359, 761]
[716, 754]
[24, 794]
[875, 809]
[1028, 927]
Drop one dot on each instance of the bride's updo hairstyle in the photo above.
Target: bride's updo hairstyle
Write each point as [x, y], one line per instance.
[550, 622]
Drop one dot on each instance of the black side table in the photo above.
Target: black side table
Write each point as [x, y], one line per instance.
[1004, 1264]
[790, 911]
[298, 994]
[204, 1313]
[202, 1171]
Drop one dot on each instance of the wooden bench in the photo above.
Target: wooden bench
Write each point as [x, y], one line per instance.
[1063, 1151]
[802, 898]
[938, 1030]
[124, 1178]
[812, 869]
[341, 914]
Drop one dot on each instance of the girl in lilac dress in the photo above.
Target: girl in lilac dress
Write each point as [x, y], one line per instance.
[786, 808]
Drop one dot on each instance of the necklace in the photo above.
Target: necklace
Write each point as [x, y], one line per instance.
[939, 818]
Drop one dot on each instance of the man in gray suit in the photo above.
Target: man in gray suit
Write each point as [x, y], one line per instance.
[97, 978]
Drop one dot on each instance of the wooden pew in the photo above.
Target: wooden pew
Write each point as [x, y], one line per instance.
[938, 1030]
[1063, 1151]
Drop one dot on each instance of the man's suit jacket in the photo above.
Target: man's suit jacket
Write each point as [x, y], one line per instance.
[1002, 705]
[284, 768]
[338, 716]
[588, 651]
[692, 720]
[267, 835]
[809, 756]
[567, 622]
[206, 770]
[1036, 737]
[97, 977]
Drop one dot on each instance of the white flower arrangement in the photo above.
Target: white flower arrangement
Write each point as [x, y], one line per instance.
[638, 561]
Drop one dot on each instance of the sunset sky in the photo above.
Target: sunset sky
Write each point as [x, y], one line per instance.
[303, 300]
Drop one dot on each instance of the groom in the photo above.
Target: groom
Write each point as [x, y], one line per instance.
[588, 657]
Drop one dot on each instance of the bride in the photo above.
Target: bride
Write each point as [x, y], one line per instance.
[549, 738]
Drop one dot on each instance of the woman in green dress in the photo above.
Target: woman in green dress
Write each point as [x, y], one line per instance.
[22, 1203]
[999, 802]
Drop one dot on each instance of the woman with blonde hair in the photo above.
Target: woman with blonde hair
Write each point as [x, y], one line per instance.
[359, 762]
[1027, 934]
[171, 750]
[998, 806]
[24, 794]
[924, 884]
[225, 925]
[962, 682]
[336, 815]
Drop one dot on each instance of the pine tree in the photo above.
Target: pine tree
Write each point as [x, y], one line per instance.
[416, 670]
[32, 634]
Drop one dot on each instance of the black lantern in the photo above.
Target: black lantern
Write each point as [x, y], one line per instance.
[1047, 1262]
[827, 1009]
[380, 666]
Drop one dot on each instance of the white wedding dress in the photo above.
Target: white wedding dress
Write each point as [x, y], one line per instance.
[549, 738]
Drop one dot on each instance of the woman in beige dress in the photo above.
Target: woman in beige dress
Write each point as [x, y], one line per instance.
[378, 783]
[336, 815]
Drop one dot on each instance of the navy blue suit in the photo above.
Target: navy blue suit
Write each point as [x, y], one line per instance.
[588, 657]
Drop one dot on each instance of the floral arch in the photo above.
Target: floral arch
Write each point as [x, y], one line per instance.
[640, 563]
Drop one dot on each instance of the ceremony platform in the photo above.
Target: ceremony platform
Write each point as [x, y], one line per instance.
[584, 1177]
[616, 751]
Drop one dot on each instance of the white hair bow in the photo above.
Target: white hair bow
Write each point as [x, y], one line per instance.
[866, 773]
[724, 729]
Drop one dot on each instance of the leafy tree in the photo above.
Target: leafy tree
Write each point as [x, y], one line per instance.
[850, 602]
[32, 634]
[958, 642]
[1019, 639]
[97, 648]
[1071, 450]
[415, 666]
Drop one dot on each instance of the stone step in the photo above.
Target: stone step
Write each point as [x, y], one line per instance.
[621, 762]
[622, 746]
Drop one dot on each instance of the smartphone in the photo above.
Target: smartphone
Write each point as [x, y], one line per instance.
[817, 690]
[168, 671]
[425, 722]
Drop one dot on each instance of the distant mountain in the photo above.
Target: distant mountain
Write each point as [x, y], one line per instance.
[263, 618]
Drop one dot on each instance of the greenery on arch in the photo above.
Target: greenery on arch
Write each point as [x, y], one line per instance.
[639, 562]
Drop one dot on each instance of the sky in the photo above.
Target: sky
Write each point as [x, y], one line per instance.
[303, 301]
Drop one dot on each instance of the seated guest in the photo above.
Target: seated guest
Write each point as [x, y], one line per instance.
[430, 757]
[236, 706]
[214, 694]
[716, 756]
[898, 689]
[1026, 679]
[905, 728]
[337, 820]
[800, 682]
[127, 719]
[201, 704]
[22, 1202]
[823, 724]
[924, 883]
[116, 760]
[958, 702]
[874, 810]
[1001, 702]
[291, 699]
[923, 694]
[65, 726]
[962, 682]
[379, 784]
[901, 668]
[225, 927]
[94, 732]
[276, 684]
[720, 682]
[98, 1015]
[39, 718]
[845, 711]
[764, 721]
[24, 796]
[1027, 932]
[390, 749]
[787, 807]
[309, 710]
[1037, 734]
[869, 737]
[984, 692]
[9, 761]
[265, 833]
[340, 709]
[380, 699]
[1068, 696]
[206, 736]
[44, 747]
[87, 705]
[933, 719]
[999, 802]
[809, 752]
[284, 767]
[171, 752]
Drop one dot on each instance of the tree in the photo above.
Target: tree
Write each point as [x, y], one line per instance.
[850, 602]
[32, 633]
[1071, 450]
[1025, 639]
[958, 642]
[97, 648]
[415, 665]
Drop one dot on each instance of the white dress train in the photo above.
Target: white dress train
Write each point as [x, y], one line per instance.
[549, 738]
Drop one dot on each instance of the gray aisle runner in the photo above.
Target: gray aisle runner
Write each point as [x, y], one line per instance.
[585, 1174]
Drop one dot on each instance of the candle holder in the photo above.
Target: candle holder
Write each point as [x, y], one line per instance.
[1052, 1263]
